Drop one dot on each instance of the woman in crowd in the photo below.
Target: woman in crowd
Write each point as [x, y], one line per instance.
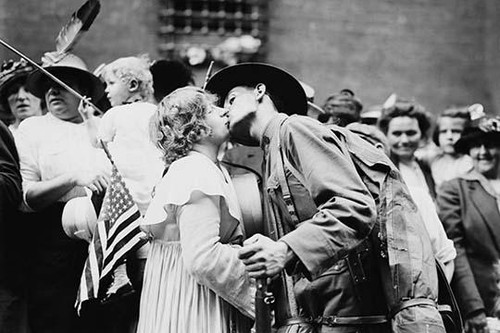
[406, 125]
[445, 163]
[57, 164]
[14, 97]
[469, 209]
[194, 281]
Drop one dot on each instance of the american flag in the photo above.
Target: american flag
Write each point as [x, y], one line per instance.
[117, 233]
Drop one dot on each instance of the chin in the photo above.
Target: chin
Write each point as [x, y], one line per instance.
[243, 138]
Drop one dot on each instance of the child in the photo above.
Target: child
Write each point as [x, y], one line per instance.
[446, 163]
[125, 130]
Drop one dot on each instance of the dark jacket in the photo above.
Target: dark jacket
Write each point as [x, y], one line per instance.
[344, 208]
[470, 214]
[10, 198]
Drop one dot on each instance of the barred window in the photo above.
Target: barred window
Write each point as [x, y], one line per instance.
[207, 23]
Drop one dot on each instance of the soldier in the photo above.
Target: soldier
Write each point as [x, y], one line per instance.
[342, 222]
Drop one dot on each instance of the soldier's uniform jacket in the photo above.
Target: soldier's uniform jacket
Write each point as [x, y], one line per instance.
[353, 229]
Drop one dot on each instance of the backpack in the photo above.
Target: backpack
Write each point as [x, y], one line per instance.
[446, 303]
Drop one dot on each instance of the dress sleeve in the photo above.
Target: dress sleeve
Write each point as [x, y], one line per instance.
[450, 212]
[346, 209]
[107, 129]
[212, 263]
[28, 156]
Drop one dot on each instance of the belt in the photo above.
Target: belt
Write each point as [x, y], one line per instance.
[354, 320]
[412, 302]
[338, 321]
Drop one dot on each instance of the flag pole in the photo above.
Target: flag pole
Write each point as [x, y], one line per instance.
[209, 73]
[50, 75]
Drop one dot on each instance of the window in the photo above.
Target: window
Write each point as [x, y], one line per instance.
[208, 24]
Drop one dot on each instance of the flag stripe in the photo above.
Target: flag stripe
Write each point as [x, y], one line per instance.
[117, 233]
[131, 220]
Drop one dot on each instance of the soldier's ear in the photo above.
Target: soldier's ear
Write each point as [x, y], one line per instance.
[260, 91]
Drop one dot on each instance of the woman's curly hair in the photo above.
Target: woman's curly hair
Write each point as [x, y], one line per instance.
[406, 108]
[179, 121]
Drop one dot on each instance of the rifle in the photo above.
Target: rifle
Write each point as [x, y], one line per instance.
[280, 293]
[263, 300]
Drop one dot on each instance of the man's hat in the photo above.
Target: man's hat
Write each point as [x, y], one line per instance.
[68, 66]
[11, 71]
[473, 135]
[282, 86]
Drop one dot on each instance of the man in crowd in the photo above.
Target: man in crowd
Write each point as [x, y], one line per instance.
[10, 197]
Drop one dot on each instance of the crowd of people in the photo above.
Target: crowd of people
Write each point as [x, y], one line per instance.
[362, 206]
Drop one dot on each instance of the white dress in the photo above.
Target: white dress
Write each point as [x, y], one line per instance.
[126, 129]
[193, 280]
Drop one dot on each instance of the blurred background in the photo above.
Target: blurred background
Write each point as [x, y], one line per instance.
[439, 52]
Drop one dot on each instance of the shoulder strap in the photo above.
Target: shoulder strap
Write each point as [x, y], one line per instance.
[287, 197]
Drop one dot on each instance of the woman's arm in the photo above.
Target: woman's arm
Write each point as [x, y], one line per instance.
[212, 263]
[41, 194]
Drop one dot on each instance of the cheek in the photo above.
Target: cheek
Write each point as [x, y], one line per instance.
[392, 140]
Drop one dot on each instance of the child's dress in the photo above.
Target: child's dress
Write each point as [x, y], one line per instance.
[194, 281]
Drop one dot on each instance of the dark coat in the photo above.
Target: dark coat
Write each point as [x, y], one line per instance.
[10, 198]
[470, 214]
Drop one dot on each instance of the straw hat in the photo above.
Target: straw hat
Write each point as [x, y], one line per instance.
[12, 71]
[79, 218]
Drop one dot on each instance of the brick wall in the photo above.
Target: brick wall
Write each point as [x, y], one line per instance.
[123, 27]
[440, 52]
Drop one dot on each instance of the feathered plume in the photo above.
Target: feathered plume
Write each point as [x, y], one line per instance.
[390, 101]
[80, 22]
[476, 111]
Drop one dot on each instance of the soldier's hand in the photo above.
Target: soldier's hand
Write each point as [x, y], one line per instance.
[477, 324]
[263, 257]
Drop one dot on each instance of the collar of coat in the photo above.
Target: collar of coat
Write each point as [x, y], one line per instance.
[473, 175]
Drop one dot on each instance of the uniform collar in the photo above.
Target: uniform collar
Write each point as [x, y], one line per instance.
[271, 129]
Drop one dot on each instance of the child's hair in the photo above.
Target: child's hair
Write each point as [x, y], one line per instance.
[132, 68]
[452, 112]
[179, 121]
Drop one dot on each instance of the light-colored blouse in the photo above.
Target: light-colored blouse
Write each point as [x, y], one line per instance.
[444, 249]
[50, 147]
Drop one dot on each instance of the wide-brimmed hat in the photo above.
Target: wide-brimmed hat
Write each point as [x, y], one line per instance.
[11, 72]
[79, 218]
[69, 66]
[473, 135]
[280, 84]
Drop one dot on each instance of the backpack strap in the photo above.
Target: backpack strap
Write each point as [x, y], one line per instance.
[287, 196]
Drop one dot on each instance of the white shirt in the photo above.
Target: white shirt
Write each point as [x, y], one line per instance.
[413, 176]
[50, 147]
